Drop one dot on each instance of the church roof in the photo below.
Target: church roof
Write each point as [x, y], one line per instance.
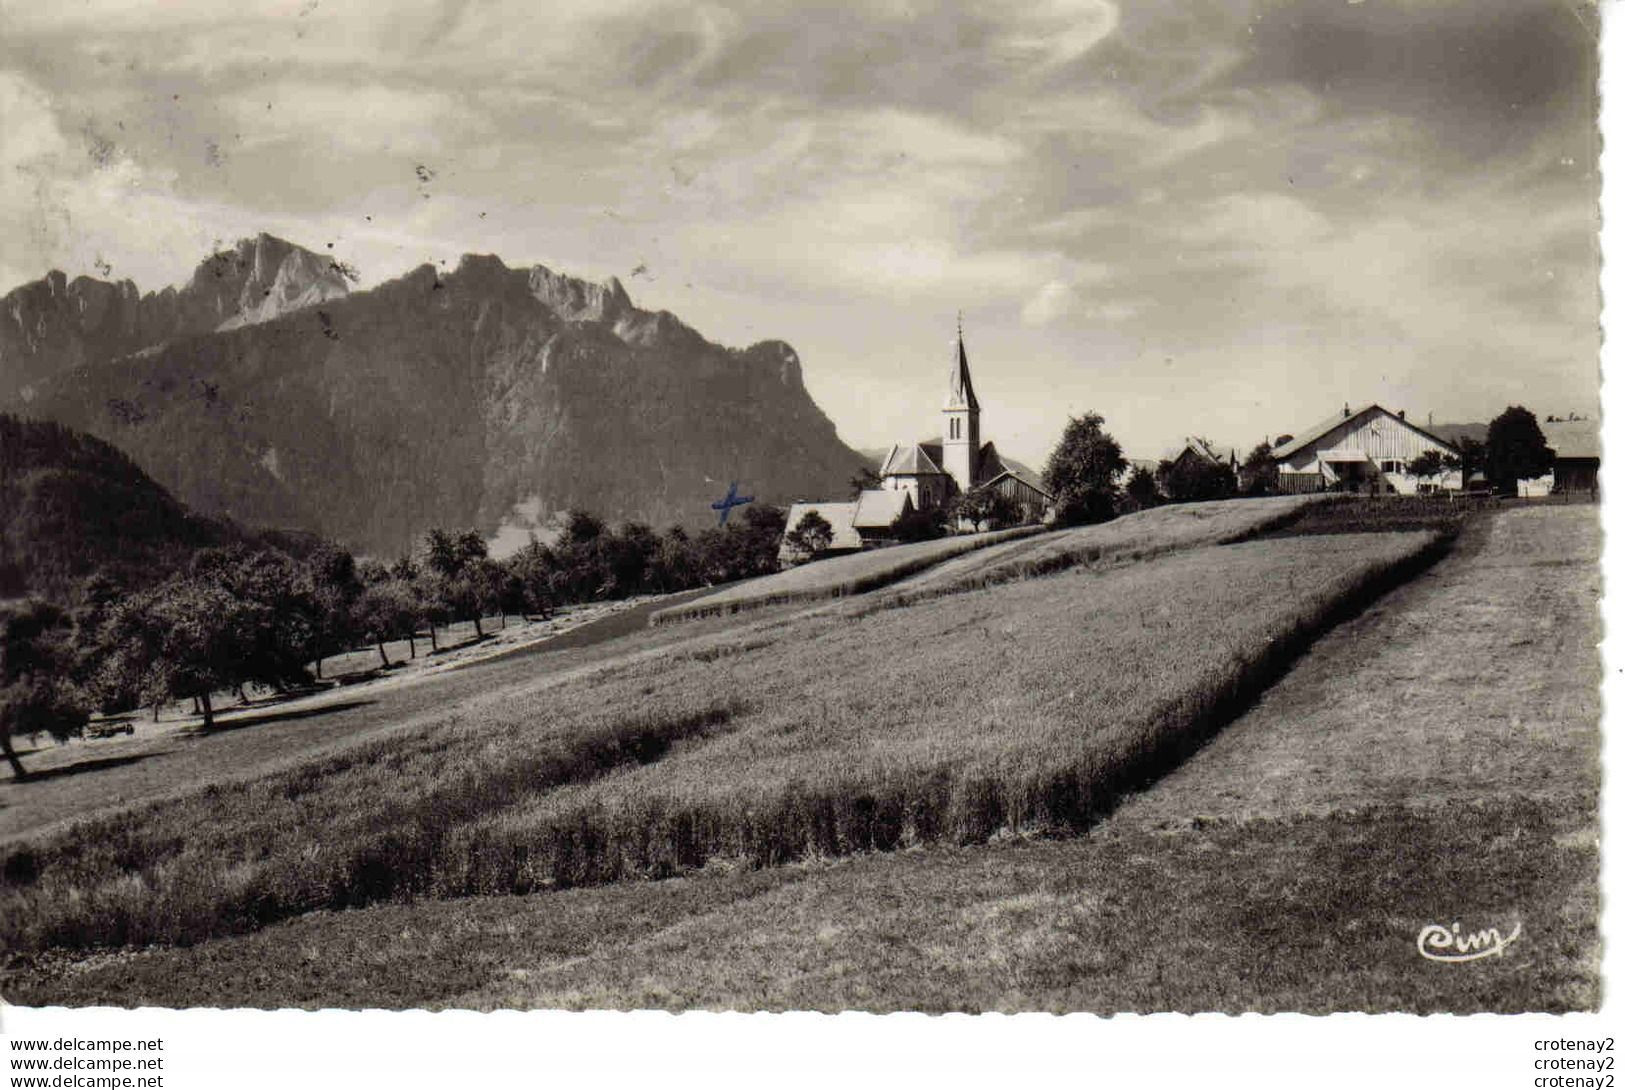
[913, 459]
[960, 393]
[879, 507]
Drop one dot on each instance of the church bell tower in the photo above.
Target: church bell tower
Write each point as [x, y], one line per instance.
[962, 423]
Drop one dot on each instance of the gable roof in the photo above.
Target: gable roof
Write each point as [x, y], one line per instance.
[1321, 429]
[991, 467]
[1206, 451]
[1573, 438]
[878, 507]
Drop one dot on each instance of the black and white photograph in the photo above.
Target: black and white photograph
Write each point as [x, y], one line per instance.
[1075, 506]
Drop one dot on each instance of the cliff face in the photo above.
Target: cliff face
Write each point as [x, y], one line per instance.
[54, 324]
[448, 399]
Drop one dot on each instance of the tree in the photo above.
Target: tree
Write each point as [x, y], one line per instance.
[627, 554]
[1432, 463]
[973, 506]
[811, 535]
[916, 524]
[1259, 473]
[1188, 479]
[302, 611]
[1471, 460]
[36, 693]
[580, 526]
[985, 509]
[387, 611]
[1141, 490]
[864, 479]
[1082, 471]
[429, 590]
[676, 564]
[533, 566]
[758, 552]
[462, 582]
[1516, 450]
[333, 582]
[189, 637]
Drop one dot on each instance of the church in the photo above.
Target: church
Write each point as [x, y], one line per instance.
[927, 475]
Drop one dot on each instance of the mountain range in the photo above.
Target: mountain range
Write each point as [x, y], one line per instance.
[267, 391]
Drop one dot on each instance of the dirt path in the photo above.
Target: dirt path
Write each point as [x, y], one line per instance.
[1481, 677]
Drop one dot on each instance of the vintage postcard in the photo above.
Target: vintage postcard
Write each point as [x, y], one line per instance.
[1080, 506]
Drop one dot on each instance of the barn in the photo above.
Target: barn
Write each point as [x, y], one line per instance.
[1360, 450]
[1578, 447]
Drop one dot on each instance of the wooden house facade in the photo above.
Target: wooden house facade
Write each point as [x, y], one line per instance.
[1361, 450]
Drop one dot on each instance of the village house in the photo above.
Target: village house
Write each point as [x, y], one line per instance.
[1201, 452]
[1361, 450]
[928, 475]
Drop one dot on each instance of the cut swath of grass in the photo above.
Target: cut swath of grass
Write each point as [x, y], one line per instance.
[1348, 514]
[837, 577]
[369, 824]
[1141, 536]
[1026, 707]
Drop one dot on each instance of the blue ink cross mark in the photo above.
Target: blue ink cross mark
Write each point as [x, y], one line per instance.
[730, 501]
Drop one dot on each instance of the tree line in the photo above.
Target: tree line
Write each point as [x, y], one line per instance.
[252, 614]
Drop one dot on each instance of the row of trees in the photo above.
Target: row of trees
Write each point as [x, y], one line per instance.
[253, 615]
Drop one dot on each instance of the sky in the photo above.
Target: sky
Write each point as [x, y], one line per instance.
[1223, 219]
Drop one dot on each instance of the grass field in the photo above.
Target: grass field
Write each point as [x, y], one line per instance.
[986, 718]
[1139, 536]
[838, 576]
[1432, 759]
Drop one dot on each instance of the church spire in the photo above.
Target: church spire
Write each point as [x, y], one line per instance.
[961, 395]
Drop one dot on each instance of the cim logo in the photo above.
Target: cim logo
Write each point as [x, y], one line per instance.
[1437, 942]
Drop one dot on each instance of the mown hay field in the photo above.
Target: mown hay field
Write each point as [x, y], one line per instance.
[838, 576]
[1026, 707]
[1139, 536]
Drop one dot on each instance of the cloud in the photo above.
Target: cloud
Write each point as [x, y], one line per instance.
[1257, 183]
[1054, 300]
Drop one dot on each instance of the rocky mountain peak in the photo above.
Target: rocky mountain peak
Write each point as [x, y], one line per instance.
[578, 300]
[55, 324]
[264, 278]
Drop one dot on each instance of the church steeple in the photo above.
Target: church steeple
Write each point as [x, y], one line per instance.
[962, 428]
[961, 395]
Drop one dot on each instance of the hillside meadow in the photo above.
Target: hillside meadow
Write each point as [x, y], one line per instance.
[1287, 866]
[1024, 708]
